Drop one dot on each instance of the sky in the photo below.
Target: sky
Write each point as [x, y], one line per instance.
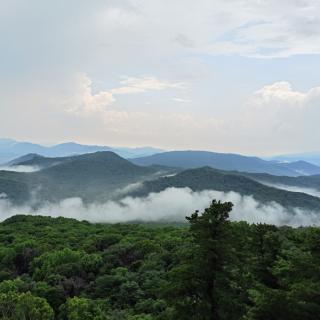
[224, 75]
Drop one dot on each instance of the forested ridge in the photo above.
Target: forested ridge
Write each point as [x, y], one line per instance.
[209, 268]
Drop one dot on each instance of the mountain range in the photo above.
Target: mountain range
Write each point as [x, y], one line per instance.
[11, 149]
[101, 176]
[312, 157]
[227, 161]
[27, 154]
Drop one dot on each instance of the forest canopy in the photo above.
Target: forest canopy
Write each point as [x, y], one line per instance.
[210, 268]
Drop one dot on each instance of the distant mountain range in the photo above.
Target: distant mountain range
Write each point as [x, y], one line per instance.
[11, 149]
[227, 161]
[312, 157]
[101, 176]
[29, 154]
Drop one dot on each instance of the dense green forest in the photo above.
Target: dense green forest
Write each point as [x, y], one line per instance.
[209, 268]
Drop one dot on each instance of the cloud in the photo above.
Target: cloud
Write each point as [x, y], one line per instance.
[20, 168]
[162, 45]
[310, 191]
[146, 83]
[280, 92]
[172, 204]
[127, 189]
[85, 102]
[279, 118]
[181, 100]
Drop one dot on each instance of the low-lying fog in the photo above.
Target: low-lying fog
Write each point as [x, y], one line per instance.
[309, 191]
[20, 168]
[172, 204]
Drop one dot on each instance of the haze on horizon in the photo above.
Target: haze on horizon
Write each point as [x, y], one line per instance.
[221, 75]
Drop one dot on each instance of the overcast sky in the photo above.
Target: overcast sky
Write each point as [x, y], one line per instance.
[223, 75]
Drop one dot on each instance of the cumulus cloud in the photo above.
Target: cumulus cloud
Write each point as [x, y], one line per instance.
[84, 101]
[280, 118]
[172, 204]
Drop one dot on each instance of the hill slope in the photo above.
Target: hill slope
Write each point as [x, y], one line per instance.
[101, 176]
[301, 181]
[93, 177]
[225, 161]
[210, 179]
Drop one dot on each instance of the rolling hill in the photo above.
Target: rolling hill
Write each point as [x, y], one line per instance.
[93, 177]
[102, 176]
[301, 181]
[226, 161]
[207, 178]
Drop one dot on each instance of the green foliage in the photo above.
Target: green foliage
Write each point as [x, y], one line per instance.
[214, 269]
[24, 306]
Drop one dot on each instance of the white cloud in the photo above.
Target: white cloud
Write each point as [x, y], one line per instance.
[85, 102]
[172, 204]
[181, 100]
[280, 92]
[281, 118]
[20, 168]
[163, 41]
[146, 83]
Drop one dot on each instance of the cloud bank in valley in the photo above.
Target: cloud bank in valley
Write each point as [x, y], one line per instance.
[172, 204]
[309, 191]
[20, 168]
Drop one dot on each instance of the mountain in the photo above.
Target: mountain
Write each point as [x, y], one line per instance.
[312, 157]
[93, 177]
[207, 178]
[302, 167]
[37, 161]
[226, 161]
[102, 176]
[11, 149]
[311, 182]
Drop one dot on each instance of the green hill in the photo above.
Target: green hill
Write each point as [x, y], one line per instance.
[98, 177]
[210, 179]
[93, 177]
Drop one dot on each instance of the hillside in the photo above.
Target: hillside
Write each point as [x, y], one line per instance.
[301, 181]
[225, 161]
[38, 161]
[210, 179]
[101, 176]
[93, 177]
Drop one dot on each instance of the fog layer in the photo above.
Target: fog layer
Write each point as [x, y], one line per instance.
[172, 204]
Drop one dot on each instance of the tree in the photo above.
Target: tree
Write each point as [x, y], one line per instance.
[81, 308]
[201, 279]
[24, 306]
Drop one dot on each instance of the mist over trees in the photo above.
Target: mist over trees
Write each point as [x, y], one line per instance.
[58, 268]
